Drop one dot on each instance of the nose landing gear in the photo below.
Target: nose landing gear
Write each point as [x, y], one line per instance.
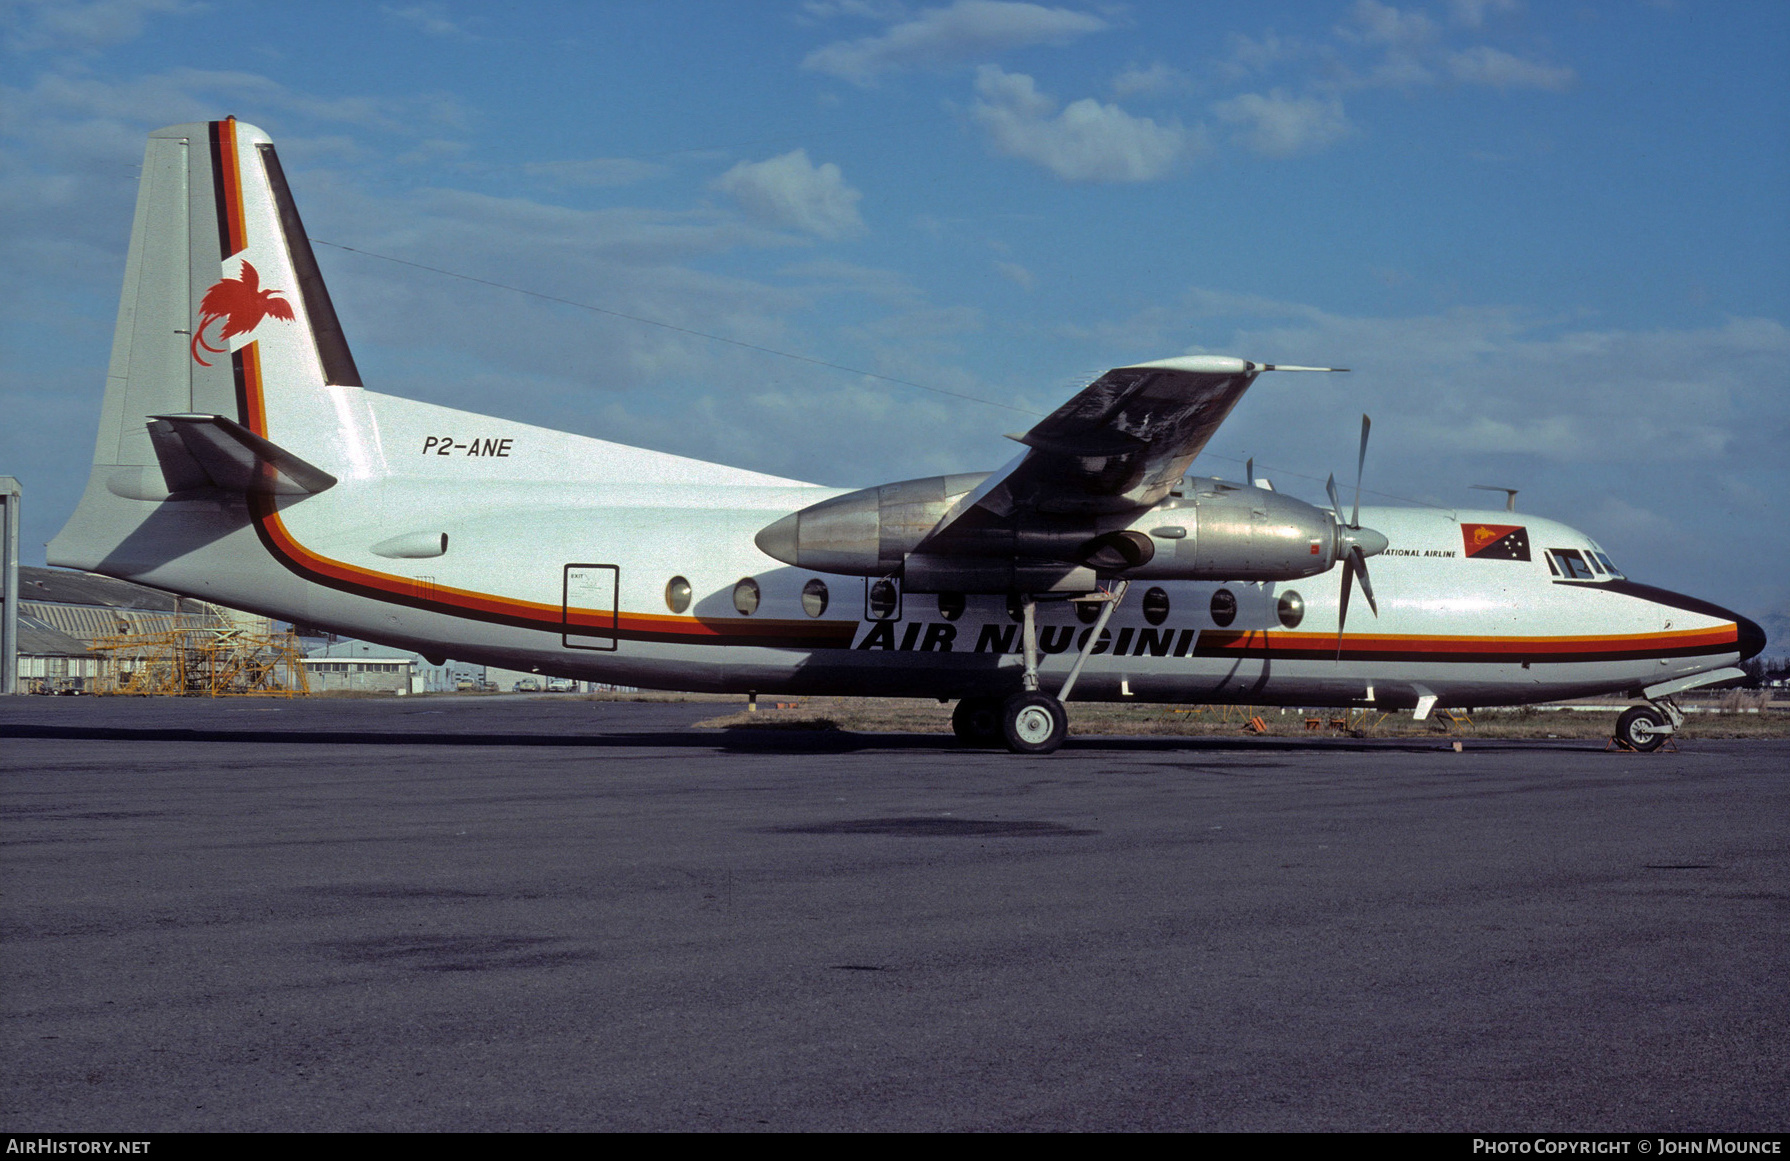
[1646, 727]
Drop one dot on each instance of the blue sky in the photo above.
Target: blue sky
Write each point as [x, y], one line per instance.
[1553, 241]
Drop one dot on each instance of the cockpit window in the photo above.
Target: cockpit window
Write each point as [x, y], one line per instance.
[1603, 558]
[1569, 563]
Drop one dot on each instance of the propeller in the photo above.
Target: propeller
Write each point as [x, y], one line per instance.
[1354, 544]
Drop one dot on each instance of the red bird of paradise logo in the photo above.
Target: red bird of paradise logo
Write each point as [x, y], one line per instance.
[241, 304]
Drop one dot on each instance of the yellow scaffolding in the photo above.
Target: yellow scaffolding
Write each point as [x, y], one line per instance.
[197, 659]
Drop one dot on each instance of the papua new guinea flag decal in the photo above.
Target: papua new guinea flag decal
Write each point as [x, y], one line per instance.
[1496, 541]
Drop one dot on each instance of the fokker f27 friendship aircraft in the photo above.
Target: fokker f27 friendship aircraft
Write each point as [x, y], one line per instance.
[240, 460]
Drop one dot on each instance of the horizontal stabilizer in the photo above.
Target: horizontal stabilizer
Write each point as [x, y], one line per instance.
[231, 457]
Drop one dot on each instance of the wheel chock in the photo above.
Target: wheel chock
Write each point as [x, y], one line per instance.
[1669, 746]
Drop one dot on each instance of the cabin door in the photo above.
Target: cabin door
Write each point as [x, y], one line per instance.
[589, 617]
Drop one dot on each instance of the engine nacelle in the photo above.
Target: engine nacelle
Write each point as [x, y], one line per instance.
[1217, 530]
[868, 532]
[1208, 530]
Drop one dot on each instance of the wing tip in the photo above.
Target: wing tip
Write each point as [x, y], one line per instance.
[1219, 365]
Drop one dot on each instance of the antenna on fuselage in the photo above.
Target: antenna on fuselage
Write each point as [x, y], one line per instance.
[1510, 494]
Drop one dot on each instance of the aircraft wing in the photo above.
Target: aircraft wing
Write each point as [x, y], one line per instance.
[1120, 444]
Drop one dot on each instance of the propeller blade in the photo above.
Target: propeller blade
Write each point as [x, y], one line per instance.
[1335, 500]
[1249, 472]
[1360, 463]
[1358, 565]
[1342, 607]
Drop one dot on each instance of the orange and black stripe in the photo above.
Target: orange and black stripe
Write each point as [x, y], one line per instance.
[1289, 646]
[227, 188]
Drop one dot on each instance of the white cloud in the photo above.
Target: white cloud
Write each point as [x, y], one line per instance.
[1482, 65]
[792, 191]
[200, 94]
[1157, 80]
[1374, 23]
[884, 10]
[44, 24]
[941, 36]
[594, 171]
[1472, 13]
[1017, 274]
[1246, 55]
[426, 18]
[1281, 126]
[1087, 141]
[1411, 54]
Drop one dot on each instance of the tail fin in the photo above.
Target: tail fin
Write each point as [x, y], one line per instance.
[224, 313]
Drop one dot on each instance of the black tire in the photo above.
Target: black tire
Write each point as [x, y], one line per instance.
[1635, 728]
[977, 721]
[1033, 723]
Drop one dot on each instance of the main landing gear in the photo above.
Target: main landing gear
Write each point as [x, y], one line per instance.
[1030, 721]
[977, 721]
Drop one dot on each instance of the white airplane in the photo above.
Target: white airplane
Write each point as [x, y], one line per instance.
[240, 460]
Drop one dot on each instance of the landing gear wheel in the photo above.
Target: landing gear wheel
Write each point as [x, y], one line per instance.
[1033, 723]
[1639, 728]
[977, 721]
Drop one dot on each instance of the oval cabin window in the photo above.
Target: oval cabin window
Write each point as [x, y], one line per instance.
[884, 599]
[745, 597]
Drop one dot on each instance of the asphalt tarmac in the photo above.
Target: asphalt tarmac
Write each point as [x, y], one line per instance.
[482, 914]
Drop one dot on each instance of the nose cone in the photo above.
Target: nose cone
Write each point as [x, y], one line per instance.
[1751, 639]
[781, 540]
[1370, 542]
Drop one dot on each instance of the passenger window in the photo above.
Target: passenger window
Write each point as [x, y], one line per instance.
[745, 597]
[1572, 565]
[882, 601]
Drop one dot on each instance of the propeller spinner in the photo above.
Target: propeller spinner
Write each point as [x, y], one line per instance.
[1354, 544]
